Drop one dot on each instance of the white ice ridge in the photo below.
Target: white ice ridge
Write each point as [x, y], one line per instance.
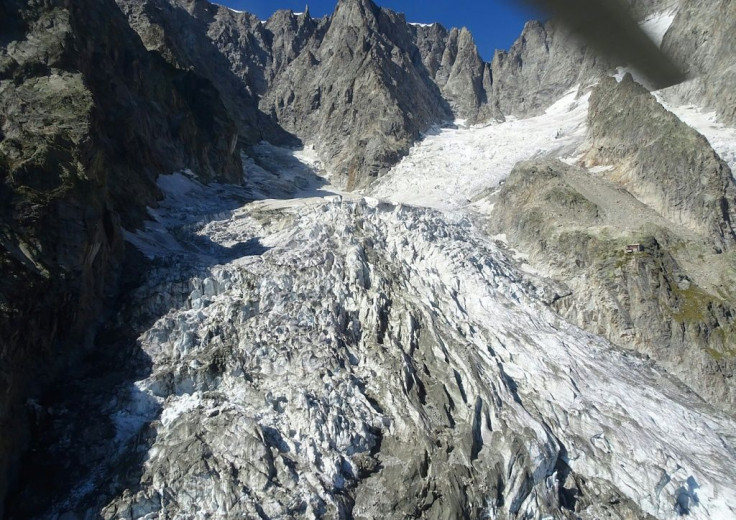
[451, 166]
[657, 25]
[294, 359]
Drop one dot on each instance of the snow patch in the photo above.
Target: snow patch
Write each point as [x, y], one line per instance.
[451, 166]
[657, 25]
[177, 406]
[229, 8]
[600, 169]
[721, 137]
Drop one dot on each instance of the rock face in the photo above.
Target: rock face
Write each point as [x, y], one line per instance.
[361, 85]
[657, 301]
[547, 60]
[543, 64]
[663, 162]
[659, 184]
[178, 32]
[329, 357]
[701, 36]
[453, 62]
[358, 92]
[88, 118]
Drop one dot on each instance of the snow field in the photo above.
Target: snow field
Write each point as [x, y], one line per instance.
[452, 166]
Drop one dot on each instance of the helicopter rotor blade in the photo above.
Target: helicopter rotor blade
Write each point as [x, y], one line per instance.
[609, 27]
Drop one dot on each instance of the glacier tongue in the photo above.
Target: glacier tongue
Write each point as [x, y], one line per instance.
[337, 357]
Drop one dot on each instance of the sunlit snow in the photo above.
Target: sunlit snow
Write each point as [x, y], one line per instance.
[721, 137]
[282, 269]
[618, 417]
[451, 166]
[657, 25]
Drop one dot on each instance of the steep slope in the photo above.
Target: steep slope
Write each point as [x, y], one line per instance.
[574, 226]
[87, 120]
[360, 85]
[350, 358]
[547, 60]
[662, 161]
[702, 37]
[452, 167]
[358, 93]
[178, 32]
[453, 62]
[543, 64]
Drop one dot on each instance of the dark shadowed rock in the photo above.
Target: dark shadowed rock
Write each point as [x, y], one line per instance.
[361, 84]
[88, 119]
[178, 32]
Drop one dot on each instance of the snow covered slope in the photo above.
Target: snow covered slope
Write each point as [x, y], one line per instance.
[364, 334]
[321, 357]
[447, 169]
[722, 138]
[657, 24]
[326, 355]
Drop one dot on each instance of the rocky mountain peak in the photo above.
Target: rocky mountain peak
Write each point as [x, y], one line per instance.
[413, 350]
[412, 76]
[356, 13]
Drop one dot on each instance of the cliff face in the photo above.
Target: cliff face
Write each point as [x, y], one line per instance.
[549, 58]
[453, 62]
[178, 33]
[88, 118]
[357, 93]
[647, 178]
[361, 84]
[701, 36]
[370, 348]
[543, 64]
[663, 162]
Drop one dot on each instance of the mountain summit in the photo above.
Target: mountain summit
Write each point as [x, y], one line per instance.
[341, 267]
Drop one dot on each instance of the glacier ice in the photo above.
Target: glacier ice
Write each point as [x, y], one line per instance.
[367, 354]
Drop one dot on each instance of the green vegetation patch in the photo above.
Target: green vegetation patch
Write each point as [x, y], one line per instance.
[695, 304]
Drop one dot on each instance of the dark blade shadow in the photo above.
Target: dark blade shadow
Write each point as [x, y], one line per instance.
[609, 27]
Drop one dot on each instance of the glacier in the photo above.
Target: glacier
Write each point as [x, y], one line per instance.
[348, 339]
[320, 354]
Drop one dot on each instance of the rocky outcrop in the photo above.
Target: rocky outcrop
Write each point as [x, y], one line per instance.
[575, 226]
[550, 58]
[453, 62]
[544, 63]
[662, 161]
[357, 94]
[178, 31]
[659, 183]
[88, 118]
[361, 84]
[701, 36]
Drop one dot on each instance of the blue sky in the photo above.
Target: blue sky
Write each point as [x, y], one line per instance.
[495, 24]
